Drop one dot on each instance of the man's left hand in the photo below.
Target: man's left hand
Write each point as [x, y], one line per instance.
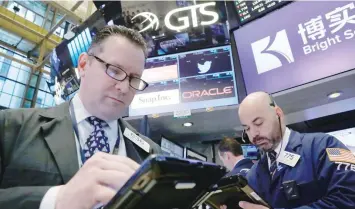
[248, 205]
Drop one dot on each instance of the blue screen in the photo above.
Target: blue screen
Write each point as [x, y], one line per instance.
[79, 45]
[250, 151]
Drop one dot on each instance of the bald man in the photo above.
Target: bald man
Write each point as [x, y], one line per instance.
[302, 171]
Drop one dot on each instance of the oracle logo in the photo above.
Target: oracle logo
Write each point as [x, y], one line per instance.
[209, 92]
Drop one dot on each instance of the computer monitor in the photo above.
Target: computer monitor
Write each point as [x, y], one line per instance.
[171, 148]
[190, 80]
[192, 154]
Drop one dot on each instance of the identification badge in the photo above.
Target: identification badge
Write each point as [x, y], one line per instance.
[137, 140]
[288, 158]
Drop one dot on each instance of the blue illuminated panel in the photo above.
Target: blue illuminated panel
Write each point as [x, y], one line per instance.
[78, 45]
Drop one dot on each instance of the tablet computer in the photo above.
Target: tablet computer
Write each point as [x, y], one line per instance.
[165, 182]
[230, 191]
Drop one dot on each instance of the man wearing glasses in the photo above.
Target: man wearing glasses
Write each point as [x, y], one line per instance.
[78, 154]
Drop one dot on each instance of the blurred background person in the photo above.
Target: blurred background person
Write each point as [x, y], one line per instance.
[231, 154]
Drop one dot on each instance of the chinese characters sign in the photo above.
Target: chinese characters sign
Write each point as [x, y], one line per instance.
[336, 20]
[298, 44]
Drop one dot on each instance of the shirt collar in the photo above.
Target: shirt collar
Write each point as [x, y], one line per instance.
[81, 113]
[236, 163]
[282, 145]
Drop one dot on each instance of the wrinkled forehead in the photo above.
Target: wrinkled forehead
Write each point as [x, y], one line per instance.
[249, 113]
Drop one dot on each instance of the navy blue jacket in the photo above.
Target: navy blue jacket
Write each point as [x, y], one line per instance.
[322, 184]
[242, 168]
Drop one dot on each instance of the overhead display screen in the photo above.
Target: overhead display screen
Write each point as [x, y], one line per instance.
[78, 45]
[284, 49]
[63, 74]
[191, 154]
[171, 27]
[171, 149]
[250, 10]
[190, 80]
[64, 62]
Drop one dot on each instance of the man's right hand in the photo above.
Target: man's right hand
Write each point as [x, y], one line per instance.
[223, 207]
[96, 182]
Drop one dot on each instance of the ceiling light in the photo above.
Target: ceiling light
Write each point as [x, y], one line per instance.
[187, 124]
[334, 95]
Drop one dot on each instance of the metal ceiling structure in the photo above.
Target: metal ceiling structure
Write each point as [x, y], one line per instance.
[80, 14]
[25, 37]
[40, 59]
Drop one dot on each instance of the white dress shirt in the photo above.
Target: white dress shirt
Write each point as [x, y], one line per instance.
[279, 149]
[85, 129]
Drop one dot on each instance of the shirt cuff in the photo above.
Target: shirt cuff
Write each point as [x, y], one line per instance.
[49, 199]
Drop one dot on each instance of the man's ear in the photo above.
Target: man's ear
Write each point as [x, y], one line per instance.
[228, 155]
[279, 112]
[83, 61]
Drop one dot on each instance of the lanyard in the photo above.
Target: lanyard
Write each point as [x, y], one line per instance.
[76, 131]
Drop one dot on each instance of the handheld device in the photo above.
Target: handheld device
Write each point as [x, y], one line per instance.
[165, 182]
[230, 191]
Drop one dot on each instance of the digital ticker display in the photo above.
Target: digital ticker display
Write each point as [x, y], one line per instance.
[250, 10]
[189, 80]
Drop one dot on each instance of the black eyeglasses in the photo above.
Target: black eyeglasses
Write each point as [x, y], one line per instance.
[118, 74]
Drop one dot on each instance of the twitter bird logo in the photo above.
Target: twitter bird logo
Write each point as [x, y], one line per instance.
[205, 67]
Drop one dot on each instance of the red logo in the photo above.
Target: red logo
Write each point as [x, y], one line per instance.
[209, 92]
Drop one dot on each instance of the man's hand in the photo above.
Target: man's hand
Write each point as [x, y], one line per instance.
[223, 207]
[248, 205]
[96, 182]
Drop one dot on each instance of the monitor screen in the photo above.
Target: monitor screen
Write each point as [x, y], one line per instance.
[250, 10]
[64, 79]
[64, 61]
[78, 45]
[347, 137]
[189, 80]
[191, 154]
[171, 149]
[285, 49]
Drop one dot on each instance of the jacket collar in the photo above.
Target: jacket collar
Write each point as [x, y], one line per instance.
[242, 162]
[59, 111]
[59, 136]
[60, 139]
[295, 141]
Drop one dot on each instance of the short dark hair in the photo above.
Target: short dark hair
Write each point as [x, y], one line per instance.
[112, 30]
[230, 145]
